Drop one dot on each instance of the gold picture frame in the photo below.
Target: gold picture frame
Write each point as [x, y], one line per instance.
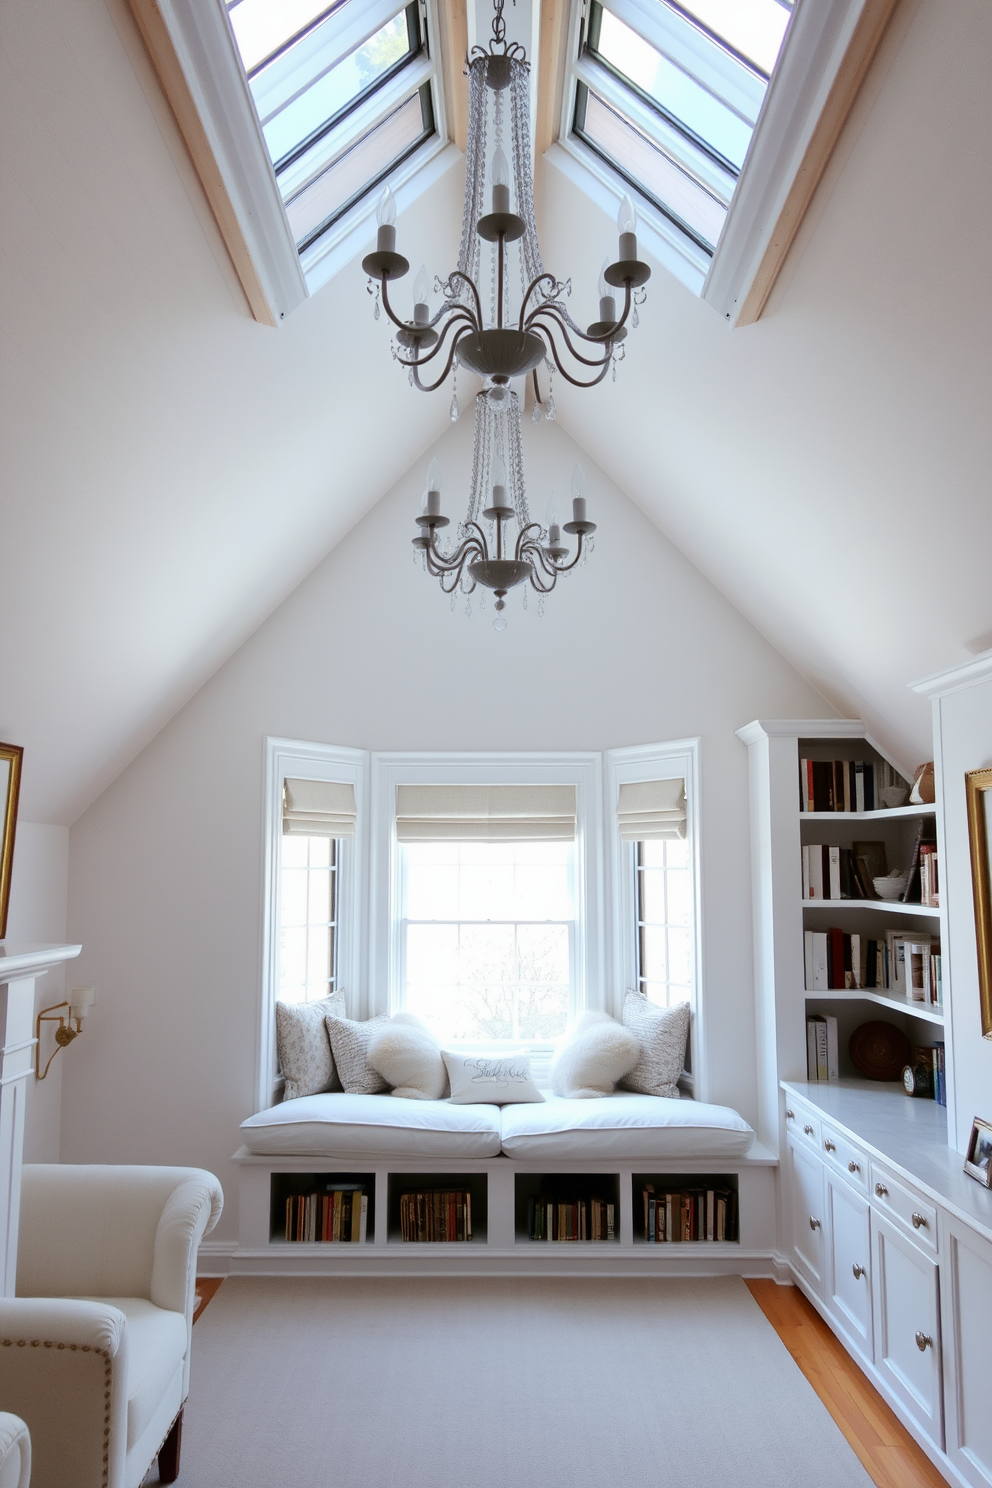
[10, 787]
[978, 787]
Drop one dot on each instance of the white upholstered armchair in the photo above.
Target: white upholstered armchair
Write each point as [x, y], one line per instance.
[95, 1347]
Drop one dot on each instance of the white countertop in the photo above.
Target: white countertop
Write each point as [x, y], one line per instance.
[907, 1133]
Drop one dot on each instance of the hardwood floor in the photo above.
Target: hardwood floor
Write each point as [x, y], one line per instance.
[885, 1448]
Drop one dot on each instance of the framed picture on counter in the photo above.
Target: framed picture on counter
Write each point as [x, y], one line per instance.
[978, 1161]
[978, 787]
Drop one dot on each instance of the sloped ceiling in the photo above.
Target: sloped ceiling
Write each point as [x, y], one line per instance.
[173, 470]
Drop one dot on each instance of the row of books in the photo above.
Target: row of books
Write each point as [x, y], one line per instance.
[433, 1214]
[834, 872]
[333, 1214]
[845, 785]
[907, 964]
[929, 877]
[583, 1219]
[676, 1215]
[823, 1058]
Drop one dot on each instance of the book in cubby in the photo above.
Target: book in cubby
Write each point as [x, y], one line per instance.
[567, 1207]
[322, 1208]
[674, 1209]
[847, 784]
[906, 963]
[437, 1208]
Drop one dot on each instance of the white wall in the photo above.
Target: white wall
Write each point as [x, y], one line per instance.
[38, 888]
[165, 868]
[963, 742]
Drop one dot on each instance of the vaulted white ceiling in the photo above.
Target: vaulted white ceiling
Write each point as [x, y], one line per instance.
[172, 469]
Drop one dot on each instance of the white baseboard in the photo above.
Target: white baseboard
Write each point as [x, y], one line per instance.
[214, 1257]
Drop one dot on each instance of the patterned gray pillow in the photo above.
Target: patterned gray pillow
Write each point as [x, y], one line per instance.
[662, 1034]
[303, 1046]
[350, 1044]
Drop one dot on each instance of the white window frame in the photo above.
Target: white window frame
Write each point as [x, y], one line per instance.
[583, 770]
[813, 52]
[302, 761]
[669, 761]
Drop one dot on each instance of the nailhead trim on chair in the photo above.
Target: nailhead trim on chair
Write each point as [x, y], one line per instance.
[81, 1348]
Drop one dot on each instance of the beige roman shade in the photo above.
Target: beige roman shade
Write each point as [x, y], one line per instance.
[485, 813]
[318, 808]
[651, 809]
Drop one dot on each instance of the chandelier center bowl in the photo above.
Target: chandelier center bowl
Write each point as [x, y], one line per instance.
[500, 353]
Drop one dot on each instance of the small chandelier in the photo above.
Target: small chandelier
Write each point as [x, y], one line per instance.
[500, 345]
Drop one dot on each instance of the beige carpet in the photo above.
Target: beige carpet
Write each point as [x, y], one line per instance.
[501, 1384]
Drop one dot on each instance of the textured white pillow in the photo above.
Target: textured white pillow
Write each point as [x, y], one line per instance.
[408, 1057]
[662, 1034]
[598, 1052]
[497, 1081]
[303, 1046]
[350, 1046]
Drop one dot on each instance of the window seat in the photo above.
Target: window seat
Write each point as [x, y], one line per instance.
[621, 1126]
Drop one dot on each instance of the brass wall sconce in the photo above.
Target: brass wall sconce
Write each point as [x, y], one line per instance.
[79, 1004]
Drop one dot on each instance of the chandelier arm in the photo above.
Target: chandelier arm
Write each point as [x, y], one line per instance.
[438, 345]
[539, 585]
[400, 324]
[601, 366]
[430, 387]
[457, 274]
[567, 567]
[535, 323]
[455, 560]
[530, 290]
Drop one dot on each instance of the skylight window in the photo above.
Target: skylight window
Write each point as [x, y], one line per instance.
[343, 96]
[668, 96]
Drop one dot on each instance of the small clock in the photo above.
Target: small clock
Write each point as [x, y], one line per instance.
[915, 1081]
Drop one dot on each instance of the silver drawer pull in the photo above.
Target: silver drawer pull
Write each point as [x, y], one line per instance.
[859, 1271]
[853, 1167]
[881, 1190]
[923, 1342]
[829, 1146]
[919, 1221]
[808, 1130]
[814, 1224]
[790, 1115]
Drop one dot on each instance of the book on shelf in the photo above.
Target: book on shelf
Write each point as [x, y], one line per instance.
[333, 1213]
[694, 1213]
[579, 1219]
[822, 1048]
[939, 1077]
[832, 872]
[906, 963]
[929, 881]
[432, 1215]
[845, 785]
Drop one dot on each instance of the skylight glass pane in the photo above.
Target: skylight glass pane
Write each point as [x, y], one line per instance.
[330, 94]
[679, 94]
[640, 161]
[753, 28]
[360, 169]
[262, 27]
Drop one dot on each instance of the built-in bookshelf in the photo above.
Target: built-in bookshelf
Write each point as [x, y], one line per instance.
[685, 1208]
[437, 1208]
[572, 1208]
[322, 1208]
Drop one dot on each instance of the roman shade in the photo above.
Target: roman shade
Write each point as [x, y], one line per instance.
[485, 813]
[318, 808]
[651, 809]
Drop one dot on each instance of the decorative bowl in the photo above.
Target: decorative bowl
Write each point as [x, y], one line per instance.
[890, 887]
[879, 1051]
[894, 795]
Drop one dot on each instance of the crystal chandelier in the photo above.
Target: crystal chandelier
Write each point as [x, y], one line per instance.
[501, 345]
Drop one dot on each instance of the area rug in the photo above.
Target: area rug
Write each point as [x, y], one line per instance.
[501, 1383]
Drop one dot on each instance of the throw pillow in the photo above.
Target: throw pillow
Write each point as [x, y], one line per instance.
[495, 1081]
[350, 1046]
[598, 1052]
[662, 1034]
[303, 1046]
[408, 1057]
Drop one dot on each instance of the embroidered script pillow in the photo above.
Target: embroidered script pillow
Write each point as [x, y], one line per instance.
[303, 1046]
[496, 1081]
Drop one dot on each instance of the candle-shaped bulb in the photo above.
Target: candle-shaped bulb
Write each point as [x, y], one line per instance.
[501, 181]
[578, 494]
[552, 520]
[421, 295]
[627, 217]
[432, 501]
[607, 300]
[604, 288]
[434, 476]
[385, 216]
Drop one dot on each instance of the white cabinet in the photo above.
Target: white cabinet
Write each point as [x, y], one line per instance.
[807, 1209]
[966, 1311]
[907, 1324]
[848, 1288]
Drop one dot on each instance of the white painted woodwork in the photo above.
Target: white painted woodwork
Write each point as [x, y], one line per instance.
[907, 1313]
[966, 1322]
[19, 966]
[808, 1213]
[848, 1273]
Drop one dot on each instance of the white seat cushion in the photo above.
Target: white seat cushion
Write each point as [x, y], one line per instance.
[623, 1126]
[342, 1125]
[156, 1348]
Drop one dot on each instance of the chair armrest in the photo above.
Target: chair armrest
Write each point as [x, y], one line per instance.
[63, 1370]
[15, 1452]
[191, 1211]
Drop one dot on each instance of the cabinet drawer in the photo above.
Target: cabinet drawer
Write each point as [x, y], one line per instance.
[910, 1210]
[802, 1123]
[842, 1156]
